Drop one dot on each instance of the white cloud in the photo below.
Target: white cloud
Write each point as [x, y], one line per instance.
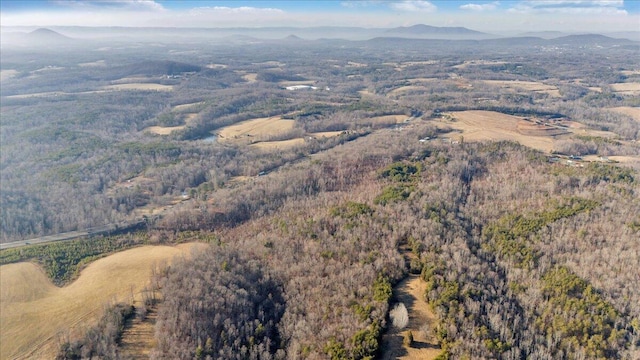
[238, 10]
[414, 6]
[480, 7]
[130, 5]
[594, 7]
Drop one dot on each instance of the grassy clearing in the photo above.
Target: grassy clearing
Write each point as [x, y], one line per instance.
[532, 86]
[163, 130]
[261, 127]
[478, 125]
[410, 291]
[140, 86]
[632, 88]
[33, 312]
[250, 77]
[282, 144]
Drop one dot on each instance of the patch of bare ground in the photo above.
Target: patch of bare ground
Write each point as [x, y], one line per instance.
[410, 291]
[35, 314]
[138, 337]
[634, 112]
[625, 160]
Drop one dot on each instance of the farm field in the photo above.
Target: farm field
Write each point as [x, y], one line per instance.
[532, 86]
[140, 86]
[631, 88]
[164, 130]
[477, 125]
[34, 312]
[281, 144]
[256, 128]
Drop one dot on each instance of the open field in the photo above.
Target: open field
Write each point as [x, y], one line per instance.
[477, 125]
[260, 127]
[34, 313]
[282, 144]
[533, 86]
[140, 86]
[163, 130]
[630, 72]
[55, 93]
[410, 291]
[407, 88]
[294, 83]
[468, 63]
[632, 88]
[634, 112]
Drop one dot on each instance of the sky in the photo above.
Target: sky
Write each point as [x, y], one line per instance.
[518, 16]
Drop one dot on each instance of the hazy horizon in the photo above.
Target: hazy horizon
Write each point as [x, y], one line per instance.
[572, 16]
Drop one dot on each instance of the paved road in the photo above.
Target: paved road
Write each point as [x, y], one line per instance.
[98, 230]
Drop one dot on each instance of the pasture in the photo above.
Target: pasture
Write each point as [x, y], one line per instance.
[478, 125]
[259, 128]
[140, 86]
[35, 314]
[525, 86]
[631, 88]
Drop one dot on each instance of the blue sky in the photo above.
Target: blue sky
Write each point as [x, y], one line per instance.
[496, 16]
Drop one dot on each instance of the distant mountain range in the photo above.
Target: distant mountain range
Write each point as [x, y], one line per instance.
[426, 31]
[80, 36]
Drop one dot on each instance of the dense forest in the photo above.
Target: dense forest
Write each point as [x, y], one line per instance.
[524, 255]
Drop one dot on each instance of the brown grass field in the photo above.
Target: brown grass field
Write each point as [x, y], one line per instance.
[140, 86]
[281, 144]
[632, 88]
[261, 127]
[34, 313]
[477, 125]
[526, 86]
[386, 119]
[163, 130]
[251, 77]
[402, 89]
[634, 112]
[411, 291]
